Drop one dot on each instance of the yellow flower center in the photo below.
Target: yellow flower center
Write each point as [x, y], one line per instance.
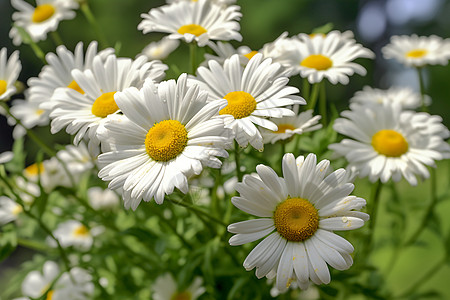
[166, 140]
[17, 210]
[296, 219]
[283, 127]
[317, 61]
[417, 53]
[312, 35]
[181, 296]
[81, 231]
[34, 169]
[389, 143]
[74, 85]
[104, 105]
[50, 295]
[194, 29]
[240, 105]
[3, 86]
[250, 54]
[42, 13]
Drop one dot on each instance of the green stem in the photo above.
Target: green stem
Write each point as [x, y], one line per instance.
[28, 40]
[429, 212]
[56, 38]
[323, 104]
[197, 210]
[238, 161]
[306, 88]
[84, 6]
[314, 94]
[171, 227]
[422, 88]
[193, 56]
[375, 197]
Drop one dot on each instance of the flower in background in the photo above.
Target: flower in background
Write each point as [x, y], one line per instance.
[322, 56]
[102, 198]
[405, 96]
[166, 288]
[289, 126]
[226, 50]
[9, 72]
[9, 210]
[38, 21]
[386, 142]
[160, 49]
[77, 159]
[167, 133]
[72, 233]
[253, 93]
[83, 114]
[297, 216]
[418, 51]
[6, 156]
[36, 284]
[201, 21]
[220, 2]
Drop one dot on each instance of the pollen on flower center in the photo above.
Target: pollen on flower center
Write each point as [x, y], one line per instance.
[3, 85]
[317, 61]
[81, 231]
[240, 105]
[166, 140]
[181, 296]
[417, 53]
[74, 85]
[250, 54]
[104, 105]
[389, 143]
[283, 127]
[194, 29]
[296, 219]
[42, 12]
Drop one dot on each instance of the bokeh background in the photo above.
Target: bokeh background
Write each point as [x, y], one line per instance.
[372, 21]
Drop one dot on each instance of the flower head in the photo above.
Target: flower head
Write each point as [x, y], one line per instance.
[9, 210]
[165, 288]
[406, 97]
[9, 72]
[297, 216]
[160, 49]
[72, 233]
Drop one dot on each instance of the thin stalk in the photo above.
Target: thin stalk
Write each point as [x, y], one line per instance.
[193, 56]
[323, 104]
[314, 94]
[238, 162]
[306, 89]
[375, 197]
[197, 210]
[28, 40]
[56, 38]
[171, 227]
[84, 6]
[422, 88]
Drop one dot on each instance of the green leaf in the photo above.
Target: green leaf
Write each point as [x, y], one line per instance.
[8, 241]
[324, 28]
[17, 164]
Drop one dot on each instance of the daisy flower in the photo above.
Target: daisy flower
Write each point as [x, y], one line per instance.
[221, 2]
[160, 49]
[77, 159]
[253, 93]
[38, 21]
[319, 57]
[72, 233]
[226, 50]
[297, 216]
[83, 114]
[201, 21]
[9, 210]
[29, 113]
[418, 51]
[58, 72]
[9, 72]
[404, 96]
[36, 284]
[6, 156]
[102, 199]
[289, 126]
[386, 142]
[166, 134]
[166, 288]
[50, 174]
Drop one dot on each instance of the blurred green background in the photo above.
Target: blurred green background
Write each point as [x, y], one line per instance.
[372, 21]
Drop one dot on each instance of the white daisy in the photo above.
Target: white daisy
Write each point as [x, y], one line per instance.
[83, 114]
[77, 159]
[418, 51]
[166, 288]
[253, 93]
[160, 49]
[6, 156]
[9, 210]
[58, 72]
[36, 284]
[319, 57]
[226, 50]
[102, 199]
[406, 97]
[72, 233]
[167, 134]
[200, 21]
[38, 21]
[298, 214]
[30, 115]
[388, 142]
[9, 72]
[49, 173]
[289, 126]
[221, 2]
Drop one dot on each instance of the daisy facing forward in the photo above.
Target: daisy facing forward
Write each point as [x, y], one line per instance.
[201, 21]
[386, 142]
[297, 217]
[9, 72]
[166, 134]
[418, 51]
[38, 21]
[254, 93]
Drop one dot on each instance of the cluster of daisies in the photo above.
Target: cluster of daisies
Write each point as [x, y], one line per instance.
[148, 136]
